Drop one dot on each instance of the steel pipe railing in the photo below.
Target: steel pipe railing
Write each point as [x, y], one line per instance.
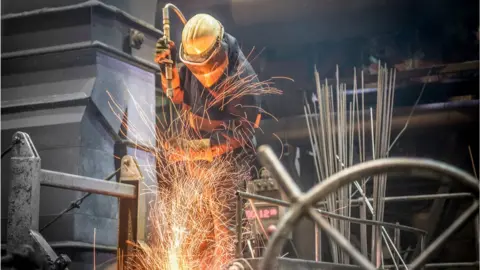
[86, 184]
[24, 199]
[332, 215]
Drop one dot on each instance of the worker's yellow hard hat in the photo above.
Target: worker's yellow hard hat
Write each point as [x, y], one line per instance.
[200, 35]
[202, 49]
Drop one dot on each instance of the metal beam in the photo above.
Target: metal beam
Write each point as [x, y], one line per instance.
[299, 264]
[77, 245]
[426, 197]
[437, 209]
[409, 198]
[454, 265]
[405, 77]
[294, 128]
[284, 263]
[87, 4]
[430, 251]
[53, 101]
[86, 184]
[80, 46]
[436, 213]
[331, 215]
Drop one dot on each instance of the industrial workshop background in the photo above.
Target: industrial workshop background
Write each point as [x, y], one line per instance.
[71, 178]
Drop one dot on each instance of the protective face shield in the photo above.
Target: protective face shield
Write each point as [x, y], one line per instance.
[202, 49]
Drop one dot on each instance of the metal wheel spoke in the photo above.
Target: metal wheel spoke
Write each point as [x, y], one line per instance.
[341, 241]
[302, 203]
[457, 224]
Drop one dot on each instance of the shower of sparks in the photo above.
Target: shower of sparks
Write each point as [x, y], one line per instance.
[189, 217]
[192, 215]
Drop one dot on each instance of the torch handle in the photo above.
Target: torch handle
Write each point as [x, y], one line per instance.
[169, 65]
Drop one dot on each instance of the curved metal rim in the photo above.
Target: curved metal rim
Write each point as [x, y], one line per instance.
[412, 166]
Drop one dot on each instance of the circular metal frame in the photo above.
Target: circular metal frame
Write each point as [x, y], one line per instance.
[302, 203]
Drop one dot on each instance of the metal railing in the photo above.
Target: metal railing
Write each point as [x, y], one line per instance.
[397, 227]
[303, 203]
[24, 199]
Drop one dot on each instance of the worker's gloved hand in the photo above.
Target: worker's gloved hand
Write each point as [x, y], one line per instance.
[163, 49]
[176, 144]
[190, 145]
[188, 150]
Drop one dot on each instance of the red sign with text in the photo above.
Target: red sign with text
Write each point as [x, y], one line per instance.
[264, 212]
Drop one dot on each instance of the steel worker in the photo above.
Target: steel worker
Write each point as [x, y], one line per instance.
[211, 61]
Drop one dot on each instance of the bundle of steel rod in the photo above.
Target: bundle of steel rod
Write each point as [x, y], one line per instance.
[337, 136]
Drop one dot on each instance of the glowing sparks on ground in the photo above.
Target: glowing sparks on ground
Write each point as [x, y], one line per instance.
[192, 215]
[190, 218]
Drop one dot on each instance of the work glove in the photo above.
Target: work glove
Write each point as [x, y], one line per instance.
[163, 49]
[189, 150]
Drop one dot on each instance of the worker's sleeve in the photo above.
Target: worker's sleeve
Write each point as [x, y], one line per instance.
[178, 75]
[244, 110]
[238, 132]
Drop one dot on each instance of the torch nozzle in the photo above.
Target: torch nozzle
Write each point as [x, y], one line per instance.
[177, 11]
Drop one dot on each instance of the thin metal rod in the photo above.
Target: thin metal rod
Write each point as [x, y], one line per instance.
[332, 215]
[424, 197]
[238, 251]
[9, 148]
[411, 113]
[410, 166]
[320, 175]
[76, 203]
[473, 162]
[453, 265]
[363, 209]
[409, 198]
[321, 112]
[341, 241]
[316, 156]
[456, 225]
[396, 240]
[384, 233]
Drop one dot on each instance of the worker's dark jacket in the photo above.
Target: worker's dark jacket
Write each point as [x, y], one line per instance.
[228, 121]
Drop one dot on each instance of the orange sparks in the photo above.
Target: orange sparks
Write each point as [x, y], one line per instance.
[192, 213]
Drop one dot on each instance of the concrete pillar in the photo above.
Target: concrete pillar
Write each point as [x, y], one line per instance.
[24, 198]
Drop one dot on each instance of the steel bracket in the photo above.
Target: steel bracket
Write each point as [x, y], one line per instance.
[132, 213]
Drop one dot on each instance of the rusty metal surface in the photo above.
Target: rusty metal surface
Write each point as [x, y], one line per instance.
[24, 198]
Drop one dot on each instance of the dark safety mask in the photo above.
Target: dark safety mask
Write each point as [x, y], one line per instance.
[210, 67]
